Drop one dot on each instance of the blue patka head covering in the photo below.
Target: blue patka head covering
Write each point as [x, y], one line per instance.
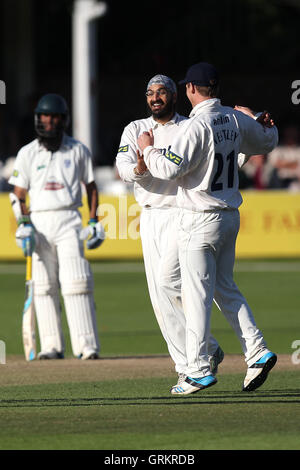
[163, 80]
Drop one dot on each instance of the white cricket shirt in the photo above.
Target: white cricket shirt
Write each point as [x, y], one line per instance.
[148, 190]
[53, 179]
[204, 156]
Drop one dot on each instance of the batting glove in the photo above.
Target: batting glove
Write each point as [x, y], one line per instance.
[25, 238]
[96, 233]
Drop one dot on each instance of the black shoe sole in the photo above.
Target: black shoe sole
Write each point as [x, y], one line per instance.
[199, 386]
[47, 358]
[93, 356]
[262, 377]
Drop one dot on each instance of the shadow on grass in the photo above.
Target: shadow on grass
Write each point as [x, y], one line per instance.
[268, 397]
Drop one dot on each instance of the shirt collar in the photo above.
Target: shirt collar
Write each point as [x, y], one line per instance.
[174, 120]
[203, 105]
[66, 141]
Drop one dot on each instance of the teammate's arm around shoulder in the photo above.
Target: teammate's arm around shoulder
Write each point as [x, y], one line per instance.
[183, 156]
[256, 138]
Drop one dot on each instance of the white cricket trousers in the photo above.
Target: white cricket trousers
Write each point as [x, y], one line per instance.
[158, 231]
[207, 254]
[58, 263]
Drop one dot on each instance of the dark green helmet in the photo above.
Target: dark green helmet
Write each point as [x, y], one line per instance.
[51, 104]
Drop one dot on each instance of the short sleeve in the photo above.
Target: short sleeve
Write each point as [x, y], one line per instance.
[20, 175]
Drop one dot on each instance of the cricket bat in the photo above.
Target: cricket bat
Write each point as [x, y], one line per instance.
[28, 318]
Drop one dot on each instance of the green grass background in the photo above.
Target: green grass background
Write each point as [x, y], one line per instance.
[141, 414]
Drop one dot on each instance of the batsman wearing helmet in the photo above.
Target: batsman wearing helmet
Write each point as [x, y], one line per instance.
[51, 169]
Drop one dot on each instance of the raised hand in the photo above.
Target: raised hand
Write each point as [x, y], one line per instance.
[265, 119]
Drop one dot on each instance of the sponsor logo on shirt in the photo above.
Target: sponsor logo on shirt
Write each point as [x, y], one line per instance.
[123, 149]
[173, 157]
[221, 120]
[40, 167]
[67, 163]
[53, 186]
[15, 173]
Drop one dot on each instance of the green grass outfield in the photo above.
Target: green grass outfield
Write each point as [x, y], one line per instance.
[137, 412]
[141, 414]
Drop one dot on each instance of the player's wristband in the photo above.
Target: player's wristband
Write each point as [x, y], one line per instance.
[25, 219]
[92, 221]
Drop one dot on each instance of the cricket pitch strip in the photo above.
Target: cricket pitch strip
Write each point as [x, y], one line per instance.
[17, 371]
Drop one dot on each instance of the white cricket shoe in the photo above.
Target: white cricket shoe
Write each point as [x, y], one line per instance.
[181, 378]
[192, 385]
[258, 372]
[89, 355]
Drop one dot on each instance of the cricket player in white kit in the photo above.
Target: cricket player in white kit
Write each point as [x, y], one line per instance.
[52, 169]
[204, 161]
[159, 213]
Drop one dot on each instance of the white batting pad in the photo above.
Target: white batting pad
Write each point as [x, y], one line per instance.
[75, 276]
[46, 301]
[63, 266]
[49, 323]
[80, 311]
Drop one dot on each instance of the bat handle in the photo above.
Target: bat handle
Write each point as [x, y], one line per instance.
[28, 268]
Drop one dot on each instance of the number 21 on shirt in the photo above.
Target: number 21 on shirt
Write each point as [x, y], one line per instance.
[224, 175]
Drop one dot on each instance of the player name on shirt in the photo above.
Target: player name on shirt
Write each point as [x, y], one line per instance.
[225, 134]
